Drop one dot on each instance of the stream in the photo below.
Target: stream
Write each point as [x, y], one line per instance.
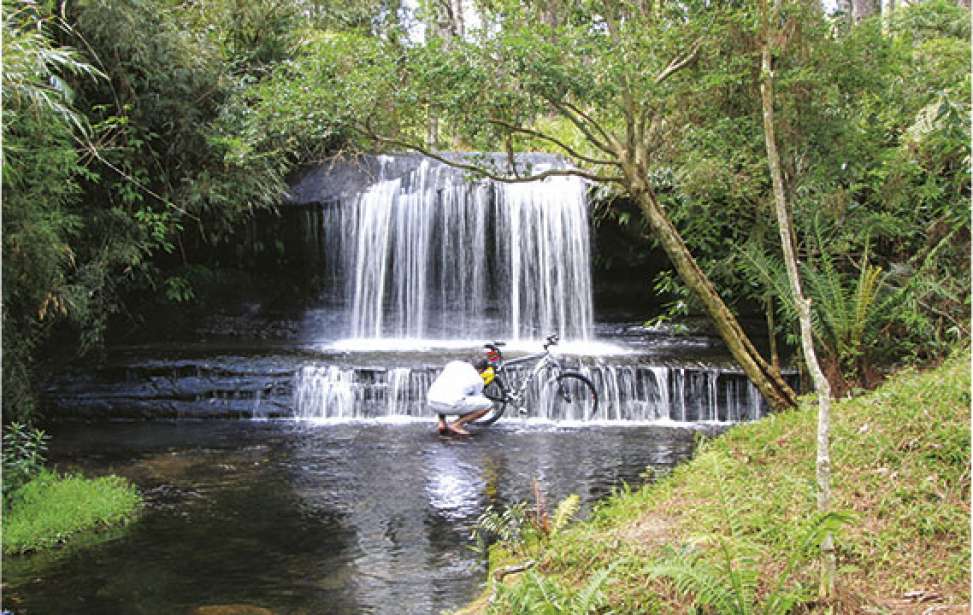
[314, 517]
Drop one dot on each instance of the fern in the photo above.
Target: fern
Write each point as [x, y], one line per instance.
[591, 597]
[725, 578]
[536, 594]
[692, 574]
[846, 312]
[509, 526]
[565, 511]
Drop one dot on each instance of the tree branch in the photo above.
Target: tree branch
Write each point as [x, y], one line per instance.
[678, 64]
[487, 173]
[610, 139]
[570, 151]
[575, 116]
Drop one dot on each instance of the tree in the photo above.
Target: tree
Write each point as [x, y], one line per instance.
[771, 19]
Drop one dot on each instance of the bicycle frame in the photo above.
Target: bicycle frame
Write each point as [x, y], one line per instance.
[517, 391]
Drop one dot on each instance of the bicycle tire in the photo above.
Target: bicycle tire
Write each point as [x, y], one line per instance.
[573, 395]
[496, 392]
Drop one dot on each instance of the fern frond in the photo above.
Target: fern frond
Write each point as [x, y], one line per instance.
[591, 597]
[694, 577]
[564, 512]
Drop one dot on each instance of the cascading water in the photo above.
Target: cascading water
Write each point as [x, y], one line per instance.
[430, 254]
[627, 393]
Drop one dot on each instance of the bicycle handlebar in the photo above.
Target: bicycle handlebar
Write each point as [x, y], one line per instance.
[494, 347]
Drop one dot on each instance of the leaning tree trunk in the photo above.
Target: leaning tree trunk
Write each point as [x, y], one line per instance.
[767, 380]
[821, 385]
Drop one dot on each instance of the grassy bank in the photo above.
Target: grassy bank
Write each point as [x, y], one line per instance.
[736, 528]
[48, 509]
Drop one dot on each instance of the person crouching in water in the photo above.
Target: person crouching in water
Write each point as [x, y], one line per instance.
[459, 390]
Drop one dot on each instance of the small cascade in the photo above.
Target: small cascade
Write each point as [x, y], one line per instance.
[322, 386]
[330, 388]
[427, 253]
[626, 393]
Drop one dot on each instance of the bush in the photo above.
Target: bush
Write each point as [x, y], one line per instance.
[24, 453]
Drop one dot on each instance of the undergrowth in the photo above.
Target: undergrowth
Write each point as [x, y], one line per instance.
[736, 529]
[48, 509]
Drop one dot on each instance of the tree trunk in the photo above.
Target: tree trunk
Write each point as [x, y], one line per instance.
[457, 18]
[768, 381]
[772, 335]
[860, 9]
[821, 385]
[888, 8]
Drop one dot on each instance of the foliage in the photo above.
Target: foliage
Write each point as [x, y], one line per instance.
[728, 583]
[876, 166]
[110, 165]
[41, 169]
[516, 526]
[510, 526]
[24, 454]
[850, 314]
[745, 507]
[50, 508]
[307, 107]
[543, 595]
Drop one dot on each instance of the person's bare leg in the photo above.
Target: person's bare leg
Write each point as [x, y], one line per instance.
[441, 426]
[457, 425]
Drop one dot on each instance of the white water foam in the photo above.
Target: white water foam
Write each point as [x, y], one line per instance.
[586, 348]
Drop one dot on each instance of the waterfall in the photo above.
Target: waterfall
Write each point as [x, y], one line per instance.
[328, 390]
[430, 254]
[626, 393]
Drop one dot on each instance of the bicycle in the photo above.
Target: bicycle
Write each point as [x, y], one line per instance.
[565, 394]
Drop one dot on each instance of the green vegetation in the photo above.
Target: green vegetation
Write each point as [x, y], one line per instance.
[48, 509]
[736, 531]
[42, 509]
[24, 453]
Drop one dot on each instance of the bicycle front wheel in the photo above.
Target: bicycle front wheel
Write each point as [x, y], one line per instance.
[570, 396]
[497, 393]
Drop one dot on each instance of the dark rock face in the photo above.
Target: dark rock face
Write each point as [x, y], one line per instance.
[231, 609]
[334, 181]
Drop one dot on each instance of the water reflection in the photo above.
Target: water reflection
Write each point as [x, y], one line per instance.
[339, 518]
[454, 485]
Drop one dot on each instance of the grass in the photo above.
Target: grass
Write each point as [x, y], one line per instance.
[740, 513]
[50, 508]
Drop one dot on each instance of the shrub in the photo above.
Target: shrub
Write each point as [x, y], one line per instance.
[24, 453]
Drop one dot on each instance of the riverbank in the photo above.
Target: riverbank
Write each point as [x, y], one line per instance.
[734, 524]
[51, 508]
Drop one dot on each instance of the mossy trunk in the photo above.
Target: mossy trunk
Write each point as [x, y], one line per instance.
[768, 381]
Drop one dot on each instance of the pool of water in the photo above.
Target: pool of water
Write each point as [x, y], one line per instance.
[297, 517]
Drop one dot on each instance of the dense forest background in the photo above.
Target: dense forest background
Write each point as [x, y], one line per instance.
[141, 137]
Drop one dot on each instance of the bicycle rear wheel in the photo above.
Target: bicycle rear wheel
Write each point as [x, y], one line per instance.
[570, 396]
[497, 393]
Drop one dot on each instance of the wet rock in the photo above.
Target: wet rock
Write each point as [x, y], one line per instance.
[231, 609]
